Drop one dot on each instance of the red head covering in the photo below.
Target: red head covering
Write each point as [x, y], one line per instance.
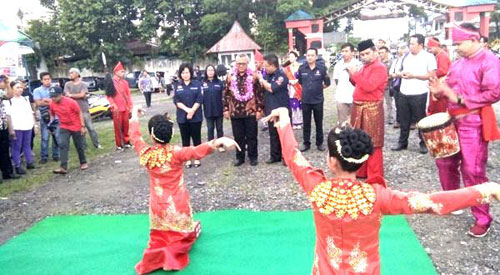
[432, 43]
[258, 56]
[118, 67]
[459, 34]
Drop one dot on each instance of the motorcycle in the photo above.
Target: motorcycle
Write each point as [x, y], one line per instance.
[99, 107]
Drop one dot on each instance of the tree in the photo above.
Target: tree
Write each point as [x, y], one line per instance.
[47, 37]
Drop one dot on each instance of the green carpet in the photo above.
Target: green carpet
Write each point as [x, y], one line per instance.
[232, 242]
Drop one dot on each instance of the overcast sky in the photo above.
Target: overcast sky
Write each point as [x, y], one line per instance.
[31, 8]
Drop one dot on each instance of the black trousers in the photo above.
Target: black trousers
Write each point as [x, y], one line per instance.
[396, 94]
[78, 141]
[307, 111]
[412, 109]
[147, 96]
[190, 130]
[5, 161]
[212, 124]
[274, 141]
[245, 134]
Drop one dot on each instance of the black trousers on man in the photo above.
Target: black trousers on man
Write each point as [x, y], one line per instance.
[307, 111]
[5, 160]
[245, 134]
[412, 109]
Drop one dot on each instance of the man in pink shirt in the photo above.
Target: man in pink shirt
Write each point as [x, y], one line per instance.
[472, 85]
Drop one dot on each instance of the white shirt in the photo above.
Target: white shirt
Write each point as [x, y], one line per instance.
[19, 109]
[345, 89]
[419, 64]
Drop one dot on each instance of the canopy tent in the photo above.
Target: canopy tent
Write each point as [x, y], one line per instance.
[14, 44]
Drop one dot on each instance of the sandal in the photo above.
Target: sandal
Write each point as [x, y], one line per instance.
[60, 171]
[188, 164]
[197, 164]
[84, 166]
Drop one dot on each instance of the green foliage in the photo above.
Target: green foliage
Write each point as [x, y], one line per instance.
[48, 38]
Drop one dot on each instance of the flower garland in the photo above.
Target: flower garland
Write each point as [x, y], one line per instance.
[248, 86]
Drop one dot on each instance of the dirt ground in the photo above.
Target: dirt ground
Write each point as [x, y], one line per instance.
[116, 184]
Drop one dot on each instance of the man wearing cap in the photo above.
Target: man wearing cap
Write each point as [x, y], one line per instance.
[121, 105]
[443, 65]
[77, 90]
[71, 125]
[368, 105]
[41, 95]
[471, 87]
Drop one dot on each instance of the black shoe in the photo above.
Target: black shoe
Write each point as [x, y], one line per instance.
[20, 171]
[399, 147]
[271, 161]
[43, 161]
[423, 149]
[55, 158]
[30, 166]
[253, 162]
[304, 147]
[11, 176]
[321, 148]
[238, 162]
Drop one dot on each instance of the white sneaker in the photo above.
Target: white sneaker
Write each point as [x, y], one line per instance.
[457, 212]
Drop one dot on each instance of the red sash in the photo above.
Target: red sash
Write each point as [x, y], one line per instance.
[297, 87]
[490, 128]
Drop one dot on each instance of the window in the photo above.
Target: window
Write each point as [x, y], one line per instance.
[459, 16]
[315, 28]
[316, 44]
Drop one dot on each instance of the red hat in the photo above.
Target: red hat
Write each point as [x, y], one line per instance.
[118, 67]
[432, 42]
[258, 56]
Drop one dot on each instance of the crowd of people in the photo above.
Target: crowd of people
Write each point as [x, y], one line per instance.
[420, 81]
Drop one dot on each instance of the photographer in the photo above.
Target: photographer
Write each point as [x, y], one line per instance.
[42, 100]
[6, 131]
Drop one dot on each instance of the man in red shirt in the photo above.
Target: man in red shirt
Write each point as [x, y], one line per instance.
[368, 106]
[121, 105]
[70, 119]
[443, 65]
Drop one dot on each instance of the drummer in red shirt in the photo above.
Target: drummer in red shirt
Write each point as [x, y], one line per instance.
[443, 65]
[67, 113]
[368, 106]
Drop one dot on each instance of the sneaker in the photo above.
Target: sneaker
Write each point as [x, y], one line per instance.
[304, 148]
[478, 231]
[458, 212]
[119, 148]
[98, 146]
[128, 145]
[321, 148]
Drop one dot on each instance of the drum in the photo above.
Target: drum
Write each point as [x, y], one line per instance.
[440, 135]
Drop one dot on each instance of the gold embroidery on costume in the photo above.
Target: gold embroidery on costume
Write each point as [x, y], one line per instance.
[299, 160]
[158, 191]
[152, 157]
[172, 220]
[343, 196]
[358, 260]
[334, 253]
[422, 203]
[485, 195]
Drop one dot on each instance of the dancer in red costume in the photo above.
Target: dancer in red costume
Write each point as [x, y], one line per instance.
[348, 212]
[121, 104]
[173, 230]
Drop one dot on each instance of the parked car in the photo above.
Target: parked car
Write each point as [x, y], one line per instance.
[33, 84]
[60, 81]
[92, 83]
[133, 79]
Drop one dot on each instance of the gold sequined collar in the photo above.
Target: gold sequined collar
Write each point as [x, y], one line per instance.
[156, 156]
[343, 196]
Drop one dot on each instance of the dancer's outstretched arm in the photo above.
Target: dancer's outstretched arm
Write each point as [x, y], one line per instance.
[441, 203]
[307, 176]
[204, 149]
[135, 130]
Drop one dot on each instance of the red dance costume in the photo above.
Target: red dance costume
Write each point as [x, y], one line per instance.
[368, 113]
[173, 230]
[348, 214]
[437, 105]
[123, 102]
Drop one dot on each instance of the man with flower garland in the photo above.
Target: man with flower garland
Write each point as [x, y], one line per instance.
[243, 105]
